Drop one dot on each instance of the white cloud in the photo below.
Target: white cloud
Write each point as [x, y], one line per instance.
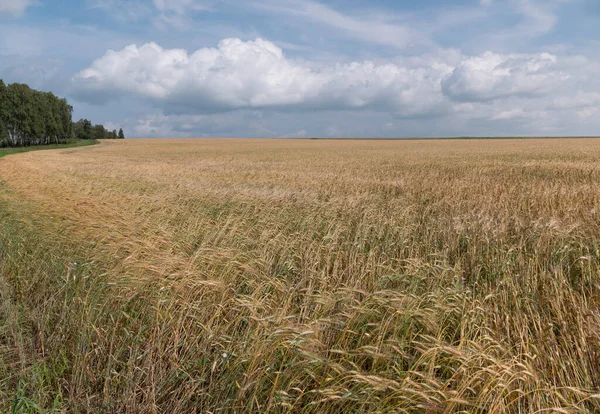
[512, 24]
[588, 112]
[163, 13]
[509, 114]
[538, 19]
[256, 74]
[15, 7]
[205, 92]
[492, 76]
[578, 100]
[372, 27]
[175, 13]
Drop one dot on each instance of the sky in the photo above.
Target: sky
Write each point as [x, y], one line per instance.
[313, 68]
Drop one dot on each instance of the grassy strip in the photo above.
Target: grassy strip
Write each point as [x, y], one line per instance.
[73, 144]
[65, 332]
[40, 278]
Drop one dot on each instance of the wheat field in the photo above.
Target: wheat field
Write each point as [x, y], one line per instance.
[324, 276]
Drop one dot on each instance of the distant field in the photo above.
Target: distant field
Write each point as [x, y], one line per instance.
[301, 276]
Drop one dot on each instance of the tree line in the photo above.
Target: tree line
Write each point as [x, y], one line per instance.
[84, 129]
[31, 117]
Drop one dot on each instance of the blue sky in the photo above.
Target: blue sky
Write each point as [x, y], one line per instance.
[304, 68]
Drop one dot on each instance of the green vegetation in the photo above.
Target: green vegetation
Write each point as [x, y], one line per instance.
[84, 129]
[48, 294]
[29, 117]
[70, 144]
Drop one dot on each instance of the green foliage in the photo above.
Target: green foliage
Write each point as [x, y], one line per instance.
[85, 130]
[29, 117]
[3, 113]
[71, 144]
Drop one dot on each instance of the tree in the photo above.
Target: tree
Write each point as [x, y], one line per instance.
[121, 135]
[30, 117]
[99, 132]
[83, 129]
[3, 115]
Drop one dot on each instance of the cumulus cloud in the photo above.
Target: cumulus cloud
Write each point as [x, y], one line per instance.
[492, 76]
[14, 7]
[257, 75]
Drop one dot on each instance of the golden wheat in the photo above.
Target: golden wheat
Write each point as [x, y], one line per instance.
[330, 276]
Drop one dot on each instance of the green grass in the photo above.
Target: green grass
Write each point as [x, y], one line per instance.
[73, 144]
[57, 312]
